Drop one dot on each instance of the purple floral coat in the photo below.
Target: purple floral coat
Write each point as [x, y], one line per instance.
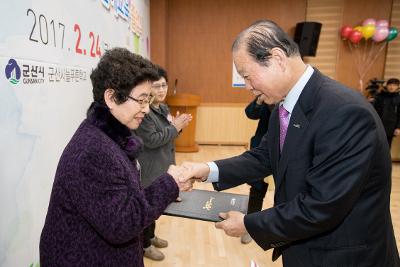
[97, 208]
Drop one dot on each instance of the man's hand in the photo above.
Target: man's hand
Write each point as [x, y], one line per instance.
[260, 99]
[178, 173]
[397, 132]
[233, 223]
[195, 171]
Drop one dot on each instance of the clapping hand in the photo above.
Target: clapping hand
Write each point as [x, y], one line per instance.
[181, 121]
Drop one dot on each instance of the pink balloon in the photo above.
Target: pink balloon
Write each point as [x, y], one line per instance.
[380, 34]
[382, 23]
[369, 21]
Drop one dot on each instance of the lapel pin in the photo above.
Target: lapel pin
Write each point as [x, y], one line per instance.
[297, 125]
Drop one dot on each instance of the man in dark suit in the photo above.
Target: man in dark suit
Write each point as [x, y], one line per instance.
[327, 151]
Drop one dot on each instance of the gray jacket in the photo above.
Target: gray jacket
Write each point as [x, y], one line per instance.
[158, 135]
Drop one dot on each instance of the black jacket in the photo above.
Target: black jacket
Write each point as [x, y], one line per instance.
[261, 113]
[388, 107]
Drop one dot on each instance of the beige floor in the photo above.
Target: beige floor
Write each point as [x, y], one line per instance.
[197, 243]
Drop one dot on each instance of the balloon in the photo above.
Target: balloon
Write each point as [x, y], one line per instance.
[368, 31]
[355, 37]
[358, 28]
[382, 23]
[380, 34]
[345, 32]
[392, 34]
[369, 21]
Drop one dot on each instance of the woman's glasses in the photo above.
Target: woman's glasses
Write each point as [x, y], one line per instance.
[143, 102]
[159, 86]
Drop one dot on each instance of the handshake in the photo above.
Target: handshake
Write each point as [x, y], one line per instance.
[187, 173]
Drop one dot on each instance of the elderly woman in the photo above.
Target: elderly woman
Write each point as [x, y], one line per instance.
[98, 209]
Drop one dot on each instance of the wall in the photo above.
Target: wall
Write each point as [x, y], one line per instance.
[159, 31]
[392, 66]
[195, 40]
[197, 46]
[224, 124]
[329, 13]
[354, 12]
[47, 51]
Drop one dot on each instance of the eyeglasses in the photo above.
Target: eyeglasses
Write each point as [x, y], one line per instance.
[159, 86]
[143, 102]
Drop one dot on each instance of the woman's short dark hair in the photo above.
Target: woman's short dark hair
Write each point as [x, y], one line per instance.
[121, 70]
[162, 72]
[261, 37]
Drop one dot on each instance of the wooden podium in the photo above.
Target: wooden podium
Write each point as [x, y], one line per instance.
[185, 103]
[396, 149]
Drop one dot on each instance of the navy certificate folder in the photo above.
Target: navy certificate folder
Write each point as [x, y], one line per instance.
[206, 205]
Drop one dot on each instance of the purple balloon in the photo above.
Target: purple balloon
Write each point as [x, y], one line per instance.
[382, 23]
[380, 34]
[369, 21]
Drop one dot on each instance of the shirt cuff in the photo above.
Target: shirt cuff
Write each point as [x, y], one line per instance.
[213, 177]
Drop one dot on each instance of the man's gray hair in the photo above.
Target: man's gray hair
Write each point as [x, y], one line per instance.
[263, 35]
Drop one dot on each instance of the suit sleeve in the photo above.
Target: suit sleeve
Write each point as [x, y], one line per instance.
[153, 137]
[343, 150]
[247, 167]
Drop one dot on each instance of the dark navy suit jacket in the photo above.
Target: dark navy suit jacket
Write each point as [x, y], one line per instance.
[332, 182]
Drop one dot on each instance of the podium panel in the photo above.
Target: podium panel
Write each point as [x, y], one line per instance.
[185, 103]
[396, 149]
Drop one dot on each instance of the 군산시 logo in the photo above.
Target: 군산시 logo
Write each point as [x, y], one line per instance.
[13, 71]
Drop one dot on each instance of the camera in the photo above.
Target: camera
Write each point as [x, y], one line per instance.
[374, 87]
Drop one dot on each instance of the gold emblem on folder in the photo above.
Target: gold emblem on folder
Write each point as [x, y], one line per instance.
[208, 205]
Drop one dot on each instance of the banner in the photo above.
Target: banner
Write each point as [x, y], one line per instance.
[47, 52]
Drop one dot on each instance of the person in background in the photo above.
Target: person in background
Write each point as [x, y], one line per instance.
[387, 104]
[257, 110]
[98, 209]
[158, 131]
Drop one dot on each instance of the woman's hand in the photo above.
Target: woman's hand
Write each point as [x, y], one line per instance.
[180, 121]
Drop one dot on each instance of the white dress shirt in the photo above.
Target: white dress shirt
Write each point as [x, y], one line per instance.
[288, 103]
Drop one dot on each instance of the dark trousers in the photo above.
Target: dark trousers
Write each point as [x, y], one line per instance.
[256, 197]
[148, 234]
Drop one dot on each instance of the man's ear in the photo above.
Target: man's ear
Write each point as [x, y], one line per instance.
[109, 98]
[279, 56]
